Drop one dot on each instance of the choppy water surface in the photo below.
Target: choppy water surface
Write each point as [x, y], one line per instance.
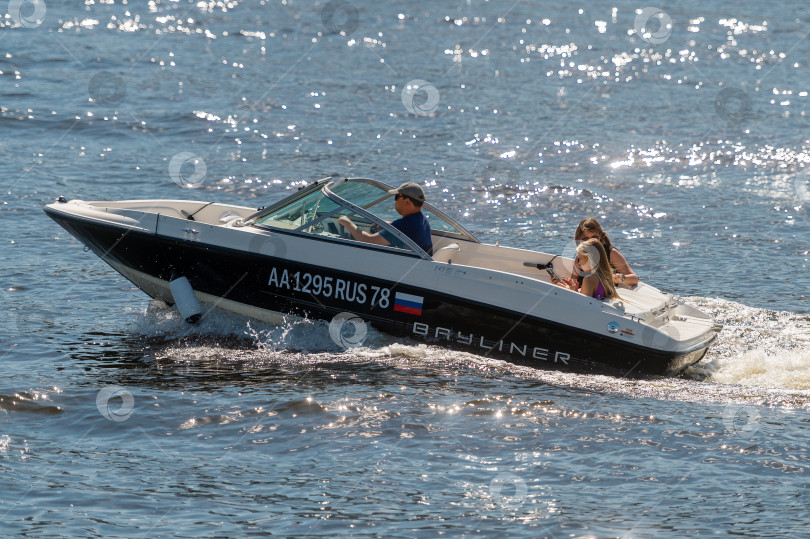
[681, 127]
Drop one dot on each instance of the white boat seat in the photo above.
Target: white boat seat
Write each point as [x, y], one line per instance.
[445, 253]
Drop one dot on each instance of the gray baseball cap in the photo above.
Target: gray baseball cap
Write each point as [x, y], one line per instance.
[410, 190]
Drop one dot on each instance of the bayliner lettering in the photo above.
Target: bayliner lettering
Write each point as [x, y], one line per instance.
[471, 339]
[330, 287]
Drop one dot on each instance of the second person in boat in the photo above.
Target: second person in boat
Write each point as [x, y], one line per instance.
[591, 264]
[622, 272]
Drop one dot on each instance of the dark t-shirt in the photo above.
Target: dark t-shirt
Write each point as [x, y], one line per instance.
[416, 227]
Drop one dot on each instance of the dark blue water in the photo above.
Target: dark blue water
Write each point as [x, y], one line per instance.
[681, 127]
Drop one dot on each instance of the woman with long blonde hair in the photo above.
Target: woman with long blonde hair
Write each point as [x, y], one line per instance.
[593, 265]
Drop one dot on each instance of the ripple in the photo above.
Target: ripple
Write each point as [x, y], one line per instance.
[24, 402]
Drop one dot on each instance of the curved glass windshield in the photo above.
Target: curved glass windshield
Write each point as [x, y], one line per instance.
[318, 214]
[314, 212]
[360, 194]
[368, 196]
[300, 212]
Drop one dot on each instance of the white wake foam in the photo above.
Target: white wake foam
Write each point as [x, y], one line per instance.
[757, 347]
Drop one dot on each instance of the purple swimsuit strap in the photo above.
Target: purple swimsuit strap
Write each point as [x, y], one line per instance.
[599, 293]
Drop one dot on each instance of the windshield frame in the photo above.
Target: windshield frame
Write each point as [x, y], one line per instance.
[326, 185]
[385, 225]
[465, 234]
[302, 192]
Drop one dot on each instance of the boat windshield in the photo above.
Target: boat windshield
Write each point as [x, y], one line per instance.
[366, 202]
[367, 194]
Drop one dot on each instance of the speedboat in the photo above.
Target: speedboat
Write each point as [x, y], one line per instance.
[294, 259]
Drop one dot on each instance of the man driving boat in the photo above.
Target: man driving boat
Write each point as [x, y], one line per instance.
[408, 200]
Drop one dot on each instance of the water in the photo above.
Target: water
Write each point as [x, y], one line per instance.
[688, 142]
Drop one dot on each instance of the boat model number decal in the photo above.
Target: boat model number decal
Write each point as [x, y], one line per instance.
[536, 352]
[330, 287]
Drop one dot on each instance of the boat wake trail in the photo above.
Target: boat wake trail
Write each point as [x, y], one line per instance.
[757, 347]
[221, 334]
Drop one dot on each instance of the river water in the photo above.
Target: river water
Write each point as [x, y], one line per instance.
[681, 127]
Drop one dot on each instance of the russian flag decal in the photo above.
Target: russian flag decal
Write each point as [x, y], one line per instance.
[408, 303]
